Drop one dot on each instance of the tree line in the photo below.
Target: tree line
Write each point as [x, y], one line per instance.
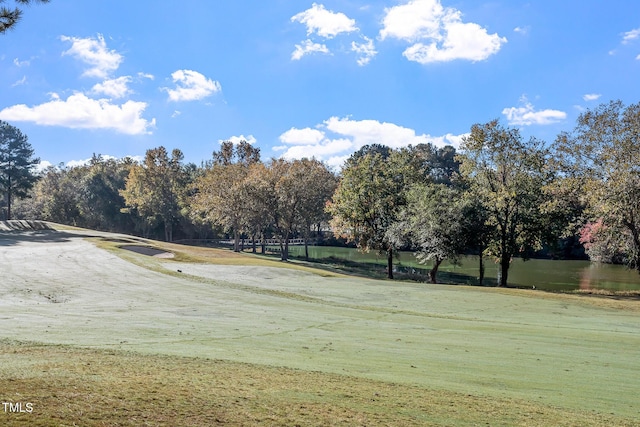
[498, 196]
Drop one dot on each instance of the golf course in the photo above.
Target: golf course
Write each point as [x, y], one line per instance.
[101, 329]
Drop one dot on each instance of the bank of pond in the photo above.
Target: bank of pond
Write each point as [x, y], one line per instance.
[543, 274]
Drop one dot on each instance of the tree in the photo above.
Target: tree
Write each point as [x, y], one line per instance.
[10, 17]
[57, 195]
[156, 188]
[369, 198]
[318, 184]
[99, 200]
[509, 177]
[602, 154]
[261, 201]
[280, 181]
[220, 196]
[16, 164]
[286, 177]
[433, 224]
[436, 165]
[600, 244]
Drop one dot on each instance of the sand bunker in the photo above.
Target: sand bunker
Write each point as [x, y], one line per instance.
[146, 250]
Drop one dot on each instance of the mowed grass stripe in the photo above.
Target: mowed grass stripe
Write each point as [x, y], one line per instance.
[73, 386]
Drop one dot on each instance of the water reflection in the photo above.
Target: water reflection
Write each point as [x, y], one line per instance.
[539, 273]
[586, 278]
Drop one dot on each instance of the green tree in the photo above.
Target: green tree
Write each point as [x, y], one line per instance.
[155, 189]
[16, 164]
[602, 154]
[288, 196]
[436, 165]
[10, 17]
[433, 224]
[56, 195]
[369, 198]
[100, 202]
[509, 176]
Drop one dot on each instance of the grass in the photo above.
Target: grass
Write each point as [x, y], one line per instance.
[73, 386]
[198, 254]
[331, 267]
[236, 339]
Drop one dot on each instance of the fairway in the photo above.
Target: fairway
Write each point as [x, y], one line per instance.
[557, 352]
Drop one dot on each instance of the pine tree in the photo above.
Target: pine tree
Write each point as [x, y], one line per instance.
[16, 164]
[10, 17]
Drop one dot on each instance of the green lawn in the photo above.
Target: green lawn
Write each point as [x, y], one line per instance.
[338, 350]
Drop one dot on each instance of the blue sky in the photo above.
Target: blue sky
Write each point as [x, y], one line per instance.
[300, 78]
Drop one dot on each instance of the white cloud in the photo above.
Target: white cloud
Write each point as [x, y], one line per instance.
[522, 30]
[94, 52]
[146, 76]
[19, 63]
[413, 21]
[236, 139]
[591, 96]
[80, 112]
[20, 82]
[175, 114]
[114, 88]
[327, 148]
[438, 34]
[42, 166]
[325, 23]
[191, 86]
[306, 48]
[448, 139]
[306, 136]
[630, 35]
[364, 132]
[336, 138]
[526, 115]
[366, 51]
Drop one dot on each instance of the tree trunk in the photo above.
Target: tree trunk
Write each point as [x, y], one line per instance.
[481, 269]
[636, 246]
[390, 263]
[253, 244]
[434, 271]
[263, 245]
[306, 245]
[9, 197]
[285, 251]
[236, 240]
[504, 269]
[9, 201]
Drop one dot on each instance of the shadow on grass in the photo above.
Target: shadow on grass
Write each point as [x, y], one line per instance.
[10, 238]
[374, 270]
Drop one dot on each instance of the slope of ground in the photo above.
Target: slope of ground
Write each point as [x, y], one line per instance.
[557, 353]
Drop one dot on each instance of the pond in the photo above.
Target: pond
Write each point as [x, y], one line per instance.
[544, 274]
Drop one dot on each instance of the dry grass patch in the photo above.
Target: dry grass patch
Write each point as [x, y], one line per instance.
[197, 254]
[70, 386]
